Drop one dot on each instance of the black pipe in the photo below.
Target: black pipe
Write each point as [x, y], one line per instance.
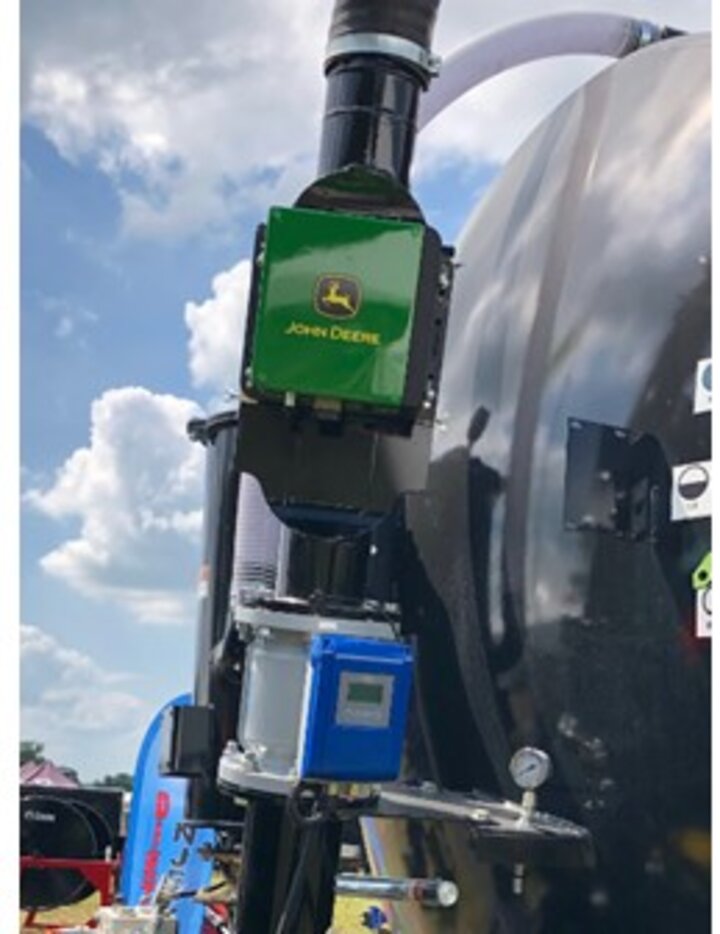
[371, 106]
[215, 684]
[372, 93]
[262, 836]
[370, 112]
[333, 568]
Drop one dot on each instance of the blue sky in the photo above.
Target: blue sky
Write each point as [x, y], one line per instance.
[152, 144]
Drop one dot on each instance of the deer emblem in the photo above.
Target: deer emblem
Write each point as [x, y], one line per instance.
[337, 296]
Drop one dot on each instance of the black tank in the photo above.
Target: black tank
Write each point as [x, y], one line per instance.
[549, 568]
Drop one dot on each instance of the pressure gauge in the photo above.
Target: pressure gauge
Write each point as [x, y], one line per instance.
[530, 767]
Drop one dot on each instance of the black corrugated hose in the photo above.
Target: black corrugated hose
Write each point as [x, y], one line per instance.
[410, 19]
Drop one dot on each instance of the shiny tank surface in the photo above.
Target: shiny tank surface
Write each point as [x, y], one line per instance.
[547, 585]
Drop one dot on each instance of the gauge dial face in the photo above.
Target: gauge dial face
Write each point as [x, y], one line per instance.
[530, 767]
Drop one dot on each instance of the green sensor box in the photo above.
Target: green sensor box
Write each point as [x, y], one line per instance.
[336, 306]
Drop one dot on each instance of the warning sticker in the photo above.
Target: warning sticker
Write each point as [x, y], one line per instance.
[702, 585]
[691, 494]
[702, 575]
[703, 387]
[703, 613]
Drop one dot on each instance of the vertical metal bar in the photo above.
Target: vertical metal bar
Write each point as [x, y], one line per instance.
[261, 853]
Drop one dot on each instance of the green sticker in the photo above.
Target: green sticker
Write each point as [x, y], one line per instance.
[336, 306]
[702, 575]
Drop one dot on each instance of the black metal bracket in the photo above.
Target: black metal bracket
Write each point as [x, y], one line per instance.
[502, 831]
[615, 481]
[300, 463]
[187, 741]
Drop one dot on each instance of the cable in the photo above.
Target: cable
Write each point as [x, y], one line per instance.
[289, 917]
[320, 810]
[191, 893]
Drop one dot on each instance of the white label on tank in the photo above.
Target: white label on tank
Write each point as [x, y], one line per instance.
[703, 387]
[691, 496]
[703, 613]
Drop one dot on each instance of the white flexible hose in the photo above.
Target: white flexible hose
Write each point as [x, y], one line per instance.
[605, 34]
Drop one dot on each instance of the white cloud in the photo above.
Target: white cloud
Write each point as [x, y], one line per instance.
[66, 689]
[68, 699]
[136, 490]
[201, 111]
[68, 665]
[69, 315]
[217, 329]
[195, 112]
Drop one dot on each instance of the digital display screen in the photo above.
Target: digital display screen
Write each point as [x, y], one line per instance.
[360, 693]
[364, 699]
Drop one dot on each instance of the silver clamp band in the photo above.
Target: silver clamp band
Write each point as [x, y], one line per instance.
[378, 43]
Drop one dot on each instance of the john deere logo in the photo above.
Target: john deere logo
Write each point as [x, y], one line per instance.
[337, 296]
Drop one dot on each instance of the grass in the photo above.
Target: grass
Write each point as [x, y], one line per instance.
[74, 914]
[347, 918]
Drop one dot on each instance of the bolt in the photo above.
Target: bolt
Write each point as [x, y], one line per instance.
[433, 63]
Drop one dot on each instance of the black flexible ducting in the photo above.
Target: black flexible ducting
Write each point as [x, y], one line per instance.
[410, 19]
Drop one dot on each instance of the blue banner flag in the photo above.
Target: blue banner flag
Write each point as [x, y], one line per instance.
[158, 846]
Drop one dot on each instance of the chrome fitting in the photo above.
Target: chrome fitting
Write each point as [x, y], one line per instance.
[645, 33]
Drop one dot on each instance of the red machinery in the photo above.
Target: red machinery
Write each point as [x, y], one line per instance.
[101, 874]
[69, 848]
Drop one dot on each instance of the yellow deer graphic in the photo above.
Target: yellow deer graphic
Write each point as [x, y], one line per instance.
[334, 297]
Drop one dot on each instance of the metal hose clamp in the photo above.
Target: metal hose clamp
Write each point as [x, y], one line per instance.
[376, 43]
[646, 33]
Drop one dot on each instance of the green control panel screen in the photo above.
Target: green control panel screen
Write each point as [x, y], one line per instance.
[359, 693]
